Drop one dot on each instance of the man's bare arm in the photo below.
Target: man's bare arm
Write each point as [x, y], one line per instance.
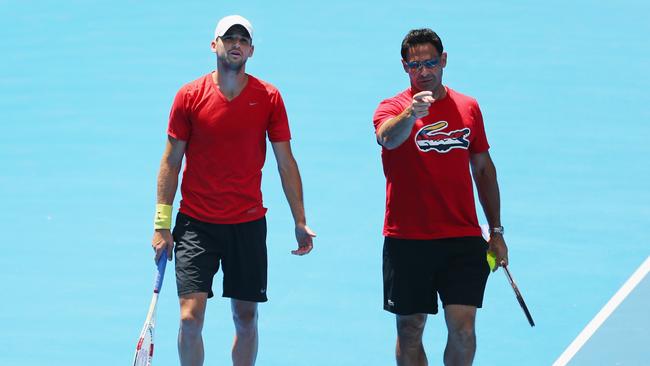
[292, 186]
[485, 178]
[170, 167]
[392, 133]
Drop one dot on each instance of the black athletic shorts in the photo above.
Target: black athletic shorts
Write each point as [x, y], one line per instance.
[416, 271]
[239, 248]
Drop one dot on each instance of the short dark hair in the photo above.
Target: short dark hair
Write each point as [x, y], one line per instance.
[419, 36]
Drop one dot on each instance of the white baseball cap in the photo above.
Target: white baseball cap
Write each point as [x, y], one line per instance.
[227, 22]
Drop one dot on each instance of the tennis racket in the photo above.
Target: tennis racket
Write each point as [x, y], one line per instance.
[144, 349]
[520, 298]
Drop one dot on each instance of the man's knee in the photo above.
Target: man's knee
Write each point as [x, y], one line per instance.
[464, 335]
[192, 315]
[460, 324]
[245, 318]
[411, 327]
[191, 322]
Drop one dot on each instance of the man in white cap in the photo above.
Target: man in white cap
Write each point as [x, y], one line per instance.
[219, 122]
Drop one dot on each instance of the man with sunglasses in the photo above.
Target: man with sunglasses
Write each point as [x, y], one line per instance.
[431, 135]
[219, 122]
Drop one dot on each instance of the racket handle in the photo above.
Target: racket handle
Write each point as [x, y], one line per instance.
[162, 263]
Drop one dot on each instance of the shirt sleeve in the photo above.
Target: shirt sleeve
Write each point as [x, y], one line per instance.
[478, 143]
[386, 110]
[278, 128]
[180, 126]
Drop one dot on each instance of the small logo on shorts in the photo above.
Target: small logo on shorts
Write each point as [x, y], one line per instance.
[390, 302]
[262, 291]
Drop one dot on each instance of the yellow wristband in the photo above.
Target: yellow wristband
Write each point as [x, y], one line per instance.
[163, 218]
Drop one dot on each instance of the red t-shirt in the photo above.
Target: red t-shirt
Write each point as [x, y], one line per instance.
[226, 147]
[429, 192]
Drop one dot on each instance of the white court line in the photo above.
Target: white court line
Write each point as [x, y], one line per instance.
[604, 313]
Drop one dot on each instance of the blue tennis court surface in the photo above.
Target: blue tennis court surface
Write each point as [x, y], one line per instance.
[85, 91]
[622, 335]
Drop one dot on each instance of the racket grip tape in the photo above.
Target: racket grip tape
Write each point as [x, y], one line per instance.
[162, 263]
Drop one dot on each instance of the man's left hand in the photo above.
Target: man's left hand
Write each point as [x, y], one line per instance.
[304, 237]
[497, 245]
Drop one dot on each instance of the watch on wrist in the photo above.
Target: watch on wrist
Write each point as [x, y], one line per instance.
[497, 230]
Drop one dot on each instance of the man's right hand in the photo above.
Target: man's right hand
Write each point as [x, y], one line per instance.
[162, 239]
[421, 103]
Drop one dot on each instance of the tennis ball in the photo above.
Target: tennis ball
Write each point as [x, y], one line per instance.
[492, 260]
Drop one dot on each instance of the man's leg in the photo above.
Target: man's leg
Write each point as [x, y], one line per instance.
[244, 348]
[461, 339]
[409, 350]
[190, 342]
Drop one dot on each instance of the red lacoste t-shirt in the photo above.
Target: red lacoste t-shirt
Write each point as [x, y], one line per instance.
[226, 147]
[429, 192]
